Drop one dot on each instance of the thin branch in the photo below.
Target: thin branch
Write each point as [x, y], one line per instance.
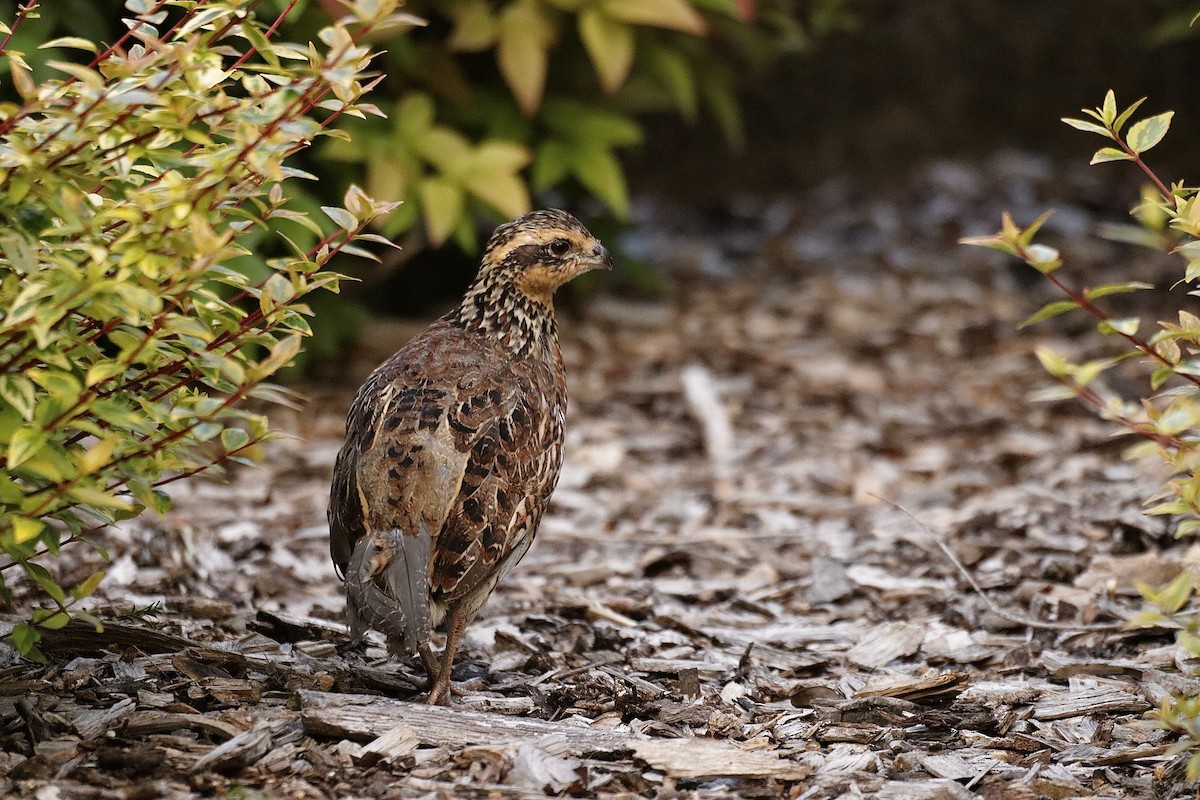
[1018, 619]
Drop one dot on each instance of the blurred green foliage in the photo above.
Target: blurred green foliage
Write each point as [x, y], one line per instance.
[490, 103]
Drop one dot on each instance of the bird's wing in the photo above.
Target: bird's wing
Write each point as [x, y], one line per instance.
[509, 422]
[394, 483]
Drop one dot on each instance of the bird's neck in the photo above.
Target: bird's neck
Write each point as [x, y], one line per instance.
[496, 308]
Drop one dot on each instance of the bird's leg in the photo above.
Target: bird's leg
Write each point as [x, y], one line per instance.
[456, 623]
[431, 666]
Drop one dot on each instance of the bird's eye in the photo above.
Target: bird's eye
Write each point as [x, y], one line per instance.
[559, 247]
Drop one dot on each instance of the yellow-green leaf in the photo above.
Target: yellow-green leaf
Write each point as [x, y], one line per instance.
[25, 444]
[496, 157]
[18, 391]
[609, 43]
[282, 353]
[1127, 326]
[505, 193]
[98, 498]
[1050, 310]
[446, 149]
[73, 42]
[96, 456]
[524, 36]
[674, 14]
[25, 529]
[1145, 133]
[89, 586]
[1105, 154]
[474, 27]
[442, 207]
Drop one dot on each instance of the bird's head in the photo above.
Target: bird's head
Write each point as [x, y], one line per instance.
[541, 251]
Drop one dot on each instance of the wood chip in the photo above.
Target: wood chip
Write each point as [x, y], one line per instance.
[236, 754]
[703, 758]
[923, 790]
[1104, 700]
[90, 724]
[144, 723]
[391, 745]
[885, 643]
[929, 687]
[364, 717]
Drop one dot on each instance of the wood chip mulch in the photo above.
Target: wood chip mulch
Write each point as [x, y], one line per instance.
[722, 602]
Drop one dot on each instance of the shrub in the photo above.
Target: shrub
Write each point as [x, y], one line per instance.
[494, 101]
[128, 188]
[1167, 416]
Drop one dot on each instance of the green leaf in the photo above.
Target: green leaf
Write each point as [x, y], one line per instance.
[506, 193]
[1050, 310]
[51, 619]
[99, 499]
[24, 639]
[675, 73]
[1115, 288]
[600, 173]
[1148, 132]
[97, 455]
[1106, 154]
[234, 439]
[722, 102]
[414, 115]
[38, 574]
[994, 242]
[552, 164]
[589, 125]
[282, 353]
[609, 44]
[260, 42]
[497, 157]
[1120, 121]
[1170, 598]
[341, 217]
[445, 148]
[1025, 237]
[73, 42]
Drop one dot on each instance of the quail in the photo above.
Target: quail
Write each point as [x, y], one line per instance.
[454, 445]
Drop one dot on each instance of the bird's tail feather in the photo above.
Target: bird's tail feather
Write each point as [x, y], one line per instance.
[387, 588]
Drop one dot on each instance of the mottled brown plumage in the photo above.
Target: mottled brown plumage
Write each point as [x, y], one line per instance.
[454, 444]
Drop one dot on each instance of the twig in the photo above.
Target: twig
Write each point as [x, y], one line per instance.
[995, 609]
